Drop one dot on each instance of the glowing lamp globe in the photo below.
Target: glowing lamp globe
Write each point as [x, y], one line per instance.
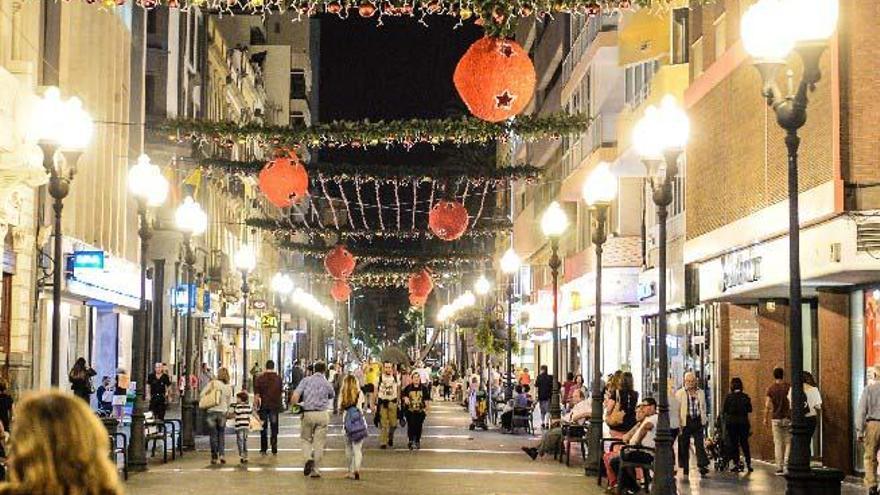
[146, 182]
[190, 218]
[601, 185]
[482, 285]
[282, 283]
[554, 221]
[812, 21]
[245, 258]
[675, 124]
[510, 262]
[766, 32]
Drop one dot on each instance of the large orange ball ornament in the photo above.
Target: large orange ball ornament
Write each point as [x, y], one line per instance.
[417, 301]
[421, 284]
[284, 181]
[340, 290]
[495, 78]
[448, 220]
[339, 263]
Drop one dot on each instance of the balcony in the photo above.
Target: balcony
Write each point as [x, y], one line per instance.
[598, 144]
[599, 32]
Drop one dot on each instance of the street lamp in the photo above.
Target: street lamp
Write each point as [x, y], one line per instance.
[553, 223]
[65, 128]
[191, 220]
[282, 285]
[599, 191]
[510, 263]
[771, 29]
[660, 137]
[150, 189]
[245, 261]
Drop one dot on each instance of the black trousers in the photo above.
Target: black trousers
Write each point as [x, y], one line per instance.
[414, 422]
[692, 430]
[738, 435]
[158, 406]
[269, 433]
[507, 420]
[627, 477]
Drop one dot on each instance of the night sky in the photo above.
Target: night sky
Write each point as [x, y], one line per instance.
[400, 70]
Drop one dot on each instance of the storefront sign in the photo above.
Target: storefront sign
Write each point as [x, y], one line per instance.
[185, 297]
[269, 321]
[91, 260]
[259, 304]
[95, 275]
[647, 290]
[740, 268]
[744, 341]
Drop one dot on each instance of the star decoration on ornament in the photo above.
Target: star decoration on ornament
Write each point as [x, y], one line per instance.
[504, 100]
[506, 49]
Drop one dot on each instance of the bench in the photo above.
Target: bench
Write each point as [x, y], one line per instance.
[572, 434]
[117, 449]
[156, 430]
[646, 467]
[522, 418]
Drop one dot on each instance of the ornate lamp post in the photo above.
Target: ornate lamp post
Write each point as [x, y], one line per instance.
[191, 220]
[245, 261]
[660, 137]
[65, 128]
[807, 29]
[481, 288]
[554, 223]
[282, 285]
[150, 189]
[510, 264]
[599, 191]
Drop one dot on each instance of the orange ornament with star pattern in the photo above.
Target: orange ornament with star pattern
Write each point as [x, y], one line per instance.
[495, 78]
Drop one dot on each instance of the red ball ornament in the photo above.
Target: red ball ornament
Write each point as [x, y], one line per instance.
[367, 9]
[448, 220]
[495, 78]
[340, 290]
[339, 262]
[334, 7]
[284, 181]
[417, 301]
[421, 284]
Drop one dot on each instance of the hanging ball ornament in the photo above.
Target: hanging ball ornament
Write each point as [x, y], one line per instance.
[448, 220]
[367, 9]
[340, 291]
[334, 7]
[339, 262]
[495, 78]
[284, 180]
[417, 301]
[421, 284]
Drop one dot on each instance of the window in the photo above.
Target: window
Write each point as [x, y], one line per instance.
[680, 41]
[720, 36]
[297, 84]
[638, 81]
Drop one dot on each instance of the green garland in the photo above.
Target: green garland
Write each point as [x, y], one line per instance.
[369, 254]
[487, 227]
[422, 173]
[362, 134]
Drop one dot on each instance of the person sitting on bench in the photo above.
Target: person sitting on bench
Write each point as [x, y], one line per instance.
[643, 435]
[520, 401]
[580, 412]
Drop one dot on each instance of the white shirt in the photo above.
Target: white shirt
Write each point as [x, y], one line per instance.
[814, 400]
[579, 409]
[649, 439]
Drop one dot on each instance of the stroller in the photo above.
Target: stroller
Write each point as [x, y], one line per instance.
[718, 449]
[479, 409]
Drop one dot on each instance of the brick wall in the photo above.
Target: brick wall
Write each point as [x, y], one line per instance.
[834, 379]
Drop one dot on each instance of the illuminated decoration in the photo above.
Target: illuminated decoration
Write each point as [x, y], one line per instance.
[311, 304]
[284, 181]
[339, 262]
[93, 260]
[461, 302]
[420, 286]
[417, 301]
[488, 227]
[340, 290]
[448, 220]
[495, 78]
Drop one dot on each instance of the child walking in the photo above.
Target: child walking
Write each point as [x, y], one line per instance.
[242, 410]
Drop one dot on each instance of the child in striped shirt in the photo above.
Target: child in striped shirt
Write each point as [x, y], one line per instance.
[242, 410]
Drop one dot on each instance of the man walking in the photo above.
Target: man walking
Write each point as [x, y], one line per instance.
[868, 429]
[777, 413]
[316, 395]
[544, 384]
[387, 405]
[692, 415]
[267, 399]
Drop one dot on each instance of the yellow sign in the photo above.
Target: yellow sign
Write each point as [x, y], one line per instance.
[269, 321]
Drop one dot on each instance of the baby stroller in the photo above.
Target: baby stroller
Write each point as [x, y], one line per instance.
[479, 409]
[718, 449]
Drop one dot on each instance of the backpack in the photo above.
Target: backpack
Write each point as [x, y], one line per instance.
[355, 424]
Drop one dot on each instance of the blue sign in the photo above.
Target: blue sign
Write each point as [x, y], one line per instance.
[185, 299]
[88, 260]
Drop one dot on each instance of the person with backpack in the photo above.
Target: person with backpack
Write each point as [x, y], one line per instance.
[416, 396]
[216, 399]
[351, 403]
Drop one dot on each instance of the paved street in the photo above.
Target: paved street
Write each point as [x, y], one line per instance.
[452, 460]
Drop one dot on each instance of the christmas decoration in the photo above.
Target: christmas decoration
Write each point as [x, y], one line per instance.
[371, 254]
[340, 291]
[495, 78]
[420, 284]
[363, 134]
[339, 262]
[486, 228]
[448, 220]
[284, 181]
[417, 301]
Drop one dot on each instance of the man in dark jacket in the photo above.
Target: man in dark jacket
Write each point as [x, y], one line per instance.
[267, 398]
[544, 384]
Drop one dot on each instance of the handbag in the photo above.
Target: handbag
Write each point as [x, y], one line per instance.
[616, 416]
[255, 423]
[211, 397]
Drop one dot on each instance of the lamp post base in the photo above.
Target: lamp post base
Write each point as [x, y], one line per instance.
[137, 447]
[188, 420]
[826, 481]
[593, 462]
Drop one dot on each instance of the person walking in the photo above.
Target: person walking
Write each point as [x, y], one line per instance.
[80, 378]
[267, 400]
[351, 403]
[544, 384]
[814, 402]
[216, 399]
[242, 411]
[158, 386]
[525, 378]
[622, 404]
[693, 418]
[315, 394]
[737, 407]
[777, 415]
[416, 396]
[387, 405]
[868, 429]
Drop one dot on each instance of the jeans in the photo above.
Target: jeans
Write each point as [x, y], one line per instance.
[314, 435]
[544, 405]
[781, 441]
[388, 422]
[354, 453]
[270, 420]
[739, 439]
[414, 422]
[693, 429]
[241, 437]
[216, 430]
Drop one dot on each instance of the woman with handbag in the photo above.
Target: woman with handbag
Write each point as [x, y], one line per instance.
[621, 416]
[216, 399]
[351, 403]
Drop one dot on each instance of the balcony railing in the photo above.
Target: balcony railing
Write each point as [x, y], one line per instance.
[601, 133]
[595, 25]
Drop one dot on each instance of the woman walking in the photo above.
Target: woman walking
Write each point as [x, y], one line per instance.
[58, 446]
[737, 407]
[415, 403]
[216, 398]
[814, 401]
[621, 405]
[80, 378]
[351, 403]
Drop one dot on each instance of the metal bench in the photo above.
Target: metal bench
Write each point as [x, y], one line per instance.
[116, 450]
[522, 418]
